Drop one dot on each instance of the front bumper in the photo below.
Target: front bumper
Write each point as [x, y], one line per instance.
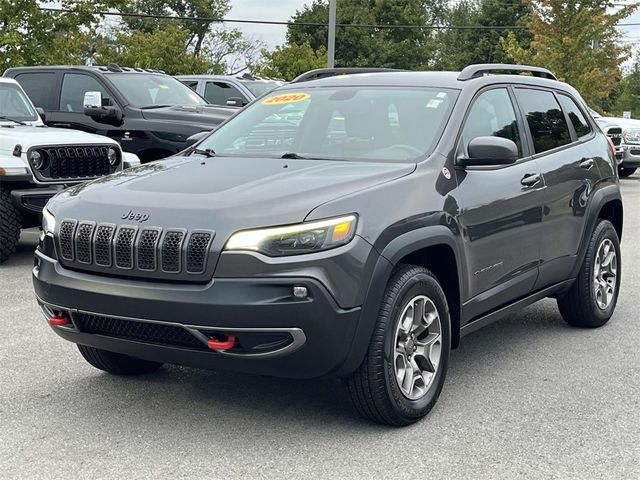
[321, 332]
[33, 200]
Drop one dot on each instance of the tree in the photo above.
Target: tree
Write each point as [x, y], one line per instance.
[287, 62]
[458, 48]
[162, 49]
[31, 36]
[578, 41]
[628, 98]
[411, 48]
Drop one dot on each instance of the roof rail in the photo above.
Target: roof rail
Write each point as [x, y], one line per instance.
[479, 70]
[332, 72]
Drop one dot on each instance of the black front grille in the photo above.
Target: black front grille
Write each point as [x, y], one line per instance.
[74, 163]
[136, 330]
[615, 134]
[132, 250]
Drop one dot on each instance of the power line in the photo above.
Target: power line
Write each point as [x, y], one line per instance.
[306, 24]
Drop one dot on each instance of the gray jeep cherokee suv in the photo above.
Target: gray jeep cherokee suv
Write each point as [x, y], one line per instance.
[353, 226]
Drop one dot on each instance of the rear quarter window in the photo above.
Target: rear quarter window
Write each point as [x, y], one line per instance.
[577, 118]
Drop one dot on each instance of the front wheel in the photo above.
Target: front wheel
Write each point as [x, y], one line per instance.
[404, 370]
[626, 172]
[593, 297]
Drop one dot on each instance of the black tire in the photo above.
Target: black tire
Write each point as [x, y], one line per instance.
[10, 224]
[116, 363]
[579, 306]
[626, 172]
[373, 388]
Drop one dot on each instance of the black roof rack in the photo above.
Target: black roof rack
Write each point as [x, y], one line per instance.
[332, 72]
[479, 70]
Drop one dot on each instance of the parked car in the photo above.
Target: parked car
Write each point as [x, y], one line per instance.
[149, 113]
[385, 216]
[37, 162]
[229, 90]
[625, 133]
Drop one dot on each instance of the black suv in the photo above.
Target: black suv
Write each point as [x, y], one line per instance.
[353, 226]
[149, 113]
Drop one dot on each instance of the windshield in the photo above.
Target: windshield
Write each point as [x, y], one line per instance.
[149, 90]
[15, 105]
[260, 87]
[344, 123]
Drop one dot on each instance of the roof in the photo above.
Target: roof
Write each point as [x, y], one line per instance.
[224, 77]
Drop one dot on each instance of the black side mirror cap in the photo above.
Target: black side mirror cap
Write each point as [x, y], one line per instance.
[43, 115]
[490, 151]
[196, 137]
[105, 114]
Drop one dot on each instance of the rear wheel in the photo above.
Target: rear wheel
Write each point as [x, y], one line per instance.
[404, 370]
[116, 363]
[592, 299]
[10, 224]
[626, 172]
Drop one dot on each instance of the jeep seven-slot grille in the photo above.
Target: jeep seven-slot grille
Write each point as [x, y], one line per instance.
[149, 252]
[74, 163]
[136, 330]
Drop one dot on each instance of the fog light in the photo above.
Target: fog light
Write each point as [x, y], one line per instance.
[300, 292]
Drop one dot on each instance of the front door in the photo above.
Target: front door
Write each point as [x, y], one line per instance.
[501, 210]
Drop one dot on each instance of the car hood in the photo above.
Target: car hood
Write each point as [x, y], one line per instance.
[204, 114]
[221, 193]
[28, 136]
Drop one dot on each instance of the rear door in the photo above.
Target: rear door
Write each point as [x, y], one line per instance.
[559, 133]
[501, 210]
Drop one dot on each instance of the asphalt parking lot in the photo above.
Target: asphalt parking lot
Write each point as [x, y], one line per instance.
[527, 397]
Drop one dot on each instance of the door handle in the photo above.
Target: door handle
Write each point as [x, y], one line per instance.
[62, 125]
[587, 164]
[530, 179]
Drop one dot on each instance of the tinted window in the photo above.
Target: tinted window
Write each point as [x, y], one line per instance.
[74, 86]
[578, 121]
[372, 123]
[38, 87]
[192, 84]
[492, 115]
[218, 93]
[545, 118]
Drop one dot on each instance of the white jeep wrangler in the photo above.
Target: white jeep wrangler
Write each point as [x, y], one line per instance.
[36, 162]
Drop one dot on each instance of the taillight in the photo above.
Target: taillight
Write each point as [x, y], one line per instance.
[613, 147]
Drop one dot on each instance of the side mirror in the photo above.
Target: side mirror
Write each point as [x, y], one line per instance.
[196, 137]
[104, 114]
[43, 116]
[92, 99]
[491, 151]
[235, 102]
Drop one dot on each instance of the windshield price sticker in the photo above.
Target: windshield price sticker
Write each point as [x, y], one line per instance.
[286, 98]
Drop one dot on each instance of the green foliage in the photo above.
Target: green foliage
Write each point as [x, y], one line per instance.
[578, 41]
[30, 36]
[458, 48]
[380, 47]
[628, 92]
[287, 62]
[161, 49]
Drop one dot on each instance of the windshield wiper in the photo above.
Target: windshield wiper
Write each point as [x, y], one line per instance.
[149, 107]
[293, 155]
[19, 122]
[207, 152]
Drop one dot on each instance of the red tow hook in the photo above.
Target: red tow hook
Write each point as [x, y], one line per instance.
[59, 319]
[215, 344]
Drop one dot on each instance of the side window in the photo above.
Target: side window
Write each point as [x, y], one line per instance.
[576, 116]
[218, 93]
[492, 115]
[38, 87]
[192, 84]
[546, 121]
[74, 86]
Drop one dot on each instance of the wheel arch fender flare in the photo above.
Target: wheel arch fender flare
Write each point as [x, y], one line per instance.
[390, 256]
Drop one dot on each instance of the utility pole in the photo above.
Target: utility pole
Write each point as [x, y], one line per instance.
[331, 50]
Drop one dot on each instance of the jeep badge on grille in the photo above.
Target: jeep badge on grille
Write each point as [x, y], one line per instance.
[138, 217]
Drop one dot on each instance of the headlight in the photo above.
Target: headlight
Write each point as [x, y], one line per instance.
[48, 221]
[296, 239]
[112, 155]
[631, 136]
[37, 160]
